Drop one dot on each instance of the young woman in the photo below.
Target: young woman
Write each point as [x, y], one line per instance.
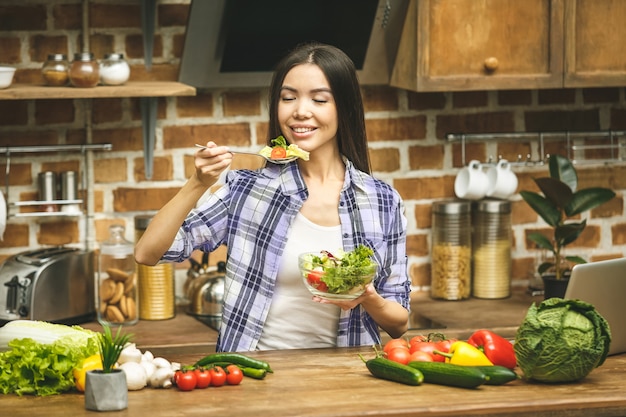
[266, 218]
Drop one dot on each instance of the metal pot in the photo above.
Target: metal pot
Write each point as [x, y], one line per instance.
[206, 296]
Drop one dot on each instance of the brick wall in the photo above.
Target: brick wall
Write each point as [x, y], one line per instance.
[406, 131]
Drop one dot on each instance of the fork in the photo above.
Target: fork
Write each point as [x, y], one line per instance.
[274, 161]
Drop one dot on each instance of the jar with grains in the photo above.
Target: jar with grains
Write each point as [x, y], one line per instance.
[116, 286]
[114, 70]
[451, 250]
[491, 249]
[55, 70]
[84, 70]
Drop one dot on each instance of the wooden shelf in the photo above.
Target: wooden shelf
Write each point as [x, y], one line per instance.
[130, 89]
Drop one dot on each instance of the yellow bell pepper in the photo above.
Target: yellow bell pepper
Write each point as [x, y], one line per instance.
[462, 353]
[80, 373]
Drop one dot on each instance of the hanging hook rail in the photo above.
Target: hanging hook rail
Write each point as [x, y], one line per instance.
[616, 146]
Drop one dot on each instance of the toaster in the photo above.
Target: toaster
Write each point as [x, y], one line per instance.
[54, 284]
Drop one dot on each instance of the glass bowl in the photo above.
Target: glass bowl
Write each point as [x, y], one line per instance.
[334, 282]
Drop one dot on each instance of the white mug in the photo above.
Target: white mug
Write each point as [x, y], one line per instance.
[502, 181]
[471, 182]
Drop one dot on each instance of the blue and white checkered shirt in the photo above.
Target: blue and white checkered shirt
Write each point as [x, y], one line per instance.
[251, 215]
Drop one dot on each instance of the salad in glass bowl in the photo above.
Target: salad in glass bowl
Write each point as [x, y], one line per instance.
[338, 275]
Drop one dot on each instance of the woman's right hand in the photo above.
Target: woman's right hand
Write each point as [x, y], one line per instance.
[210, 162]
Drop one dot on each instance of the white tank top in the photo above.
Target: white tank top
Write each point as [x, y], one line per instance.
[294, 321]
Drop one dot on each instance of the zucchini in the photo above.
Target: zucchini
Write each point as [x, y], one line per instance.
[450, 374]
[384, 368]
[498, 375]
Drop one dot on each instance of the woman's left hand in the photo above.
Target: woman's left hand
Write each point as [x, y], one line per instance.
[348, 304]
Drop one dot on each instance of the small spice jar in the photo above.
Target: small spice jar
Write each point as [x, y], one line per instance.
[55, 70]
[84, 70]
[114, 70]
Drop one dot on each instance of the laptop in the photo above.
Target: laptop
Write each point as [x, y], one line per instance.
[603, 284]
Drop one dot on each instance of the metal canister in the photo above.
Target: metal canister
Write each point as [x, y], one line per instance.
[157, 292]
[491, 257]
[451, 250]
[47, 190]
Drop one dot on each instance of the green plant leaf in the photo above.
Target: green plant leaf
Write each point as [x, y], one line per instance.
[545, 267]
[558, 193]
[576, 259]
[541, 241]
[543, 207]
[567, 233]
[562, 169]
[586, 199]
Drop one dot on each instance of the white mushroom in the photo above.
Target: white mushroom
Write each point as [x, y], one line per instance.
[136, 378]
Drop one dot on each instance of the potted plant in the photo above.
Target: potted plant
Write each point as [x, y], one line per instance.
[106, 388]
[560, 202]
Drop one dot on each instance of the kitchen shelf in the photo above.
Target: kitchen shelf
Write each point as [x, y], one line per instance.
[130, 89]
[146, 91]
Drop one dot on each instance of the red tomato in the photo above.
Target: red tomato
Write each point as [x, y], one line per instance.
[278, 152]
[314, 279]
[400, 355]
[395, 343]
[420, 356]
[203, 378]
[185, 380]
[234, 375]
[218, 376]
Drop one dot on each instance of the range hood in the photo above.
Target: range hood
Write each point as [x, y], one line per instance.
[237, 43]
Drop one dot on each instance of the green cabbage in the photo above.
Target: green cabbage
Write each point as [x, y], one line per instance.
[41, 356]
[561, 341]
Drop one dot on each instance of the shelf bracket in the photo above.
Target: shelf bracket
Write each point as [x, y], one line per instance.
[148, 117]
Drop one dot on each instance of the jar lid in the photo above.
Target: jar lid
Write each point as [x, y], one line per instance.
[114, 57]
[494, 206]
[57, 57]
[83, 56]
[451, 207]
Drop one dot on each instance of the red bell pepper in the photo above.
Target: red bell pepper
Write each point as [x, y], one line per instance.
[497, 349]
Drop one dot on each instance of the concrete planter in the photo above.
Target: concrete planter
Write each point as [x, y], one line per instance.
[106, 391]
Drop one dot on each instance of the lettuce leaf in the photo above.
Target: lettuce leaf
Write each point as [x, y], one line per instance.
[31, 367]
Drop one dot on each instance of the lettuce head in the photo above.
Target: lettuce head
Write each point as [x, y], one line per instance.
[561, 340]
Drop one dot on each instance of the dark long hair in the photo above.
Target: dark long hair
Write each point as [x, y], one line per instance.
[341, 75]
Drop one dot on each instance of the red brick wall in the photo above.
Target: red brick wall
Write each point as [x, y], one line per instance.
[406, 131]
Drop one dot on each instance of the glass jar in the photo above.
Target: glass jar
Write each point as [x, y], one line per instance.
[157, 292]
[116, 289]
[451, 250]
[84, 70]
[114, 70]
[491, 249]
[55, 70]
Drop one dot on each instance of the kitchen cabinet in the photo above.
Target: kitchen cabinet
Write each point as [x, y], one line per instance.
[595, 41]
[456, 45]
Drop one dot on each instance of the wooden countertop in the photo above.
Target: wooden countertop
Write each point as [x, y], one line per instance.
[335, 382]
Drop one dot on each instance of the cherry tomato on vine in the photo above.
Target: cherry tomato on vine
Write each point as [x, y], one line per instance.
[234, 375]
[218, 376]
[203, 377]
[395, 343]
[420, 356]
[185, 380]
[399, 354]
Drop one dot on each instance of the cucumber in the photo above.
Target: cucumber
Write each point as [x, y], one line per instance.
[236, 358]
[393, 371]
[498, 375]
[450, 374]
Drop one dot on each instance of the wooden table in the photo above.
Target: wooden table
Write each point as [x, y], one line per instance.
[335, 382]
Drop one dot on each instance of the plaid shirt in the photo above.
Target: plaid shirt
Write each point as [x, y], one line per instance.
[251, 215]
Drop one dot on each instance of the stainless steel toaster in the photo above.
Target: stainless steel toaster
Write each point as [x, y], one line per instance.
[53, 284]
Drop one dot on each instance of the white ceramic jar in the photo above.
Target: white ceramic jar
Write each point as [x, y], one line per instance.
[114, 70]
